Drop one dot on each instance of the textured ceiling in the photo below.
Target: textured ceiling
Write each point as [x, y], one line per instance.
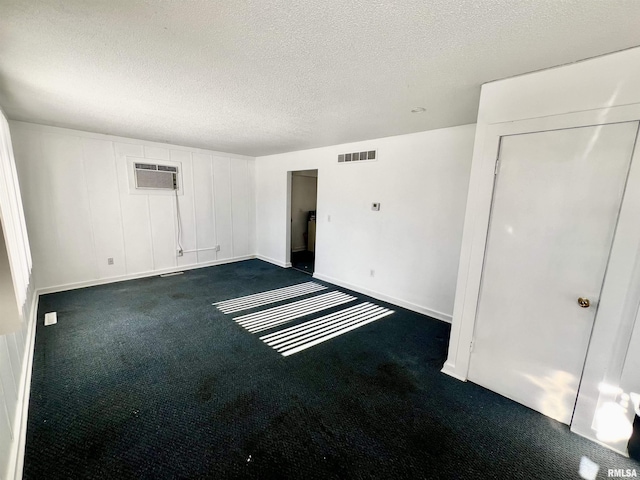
[265, 76]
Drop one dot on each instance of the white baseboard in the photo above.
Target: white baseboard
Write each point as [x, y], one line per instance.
[16, 459]
[133, 276]
[451, 371]
[591, 435]
[274, 261]
[386, 298]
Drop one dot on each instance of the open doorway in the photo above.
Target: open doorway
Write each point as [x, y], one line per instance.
[304, 200]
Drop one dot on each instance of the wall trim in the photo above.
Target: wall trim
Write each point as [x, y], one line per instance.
[450, 369]
[133, 276]
[386, 298]
[274, 261]
[589, 435]
[16, 453]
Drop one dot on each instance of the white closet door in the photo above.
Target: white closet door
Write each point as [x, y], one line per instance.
[555, 208]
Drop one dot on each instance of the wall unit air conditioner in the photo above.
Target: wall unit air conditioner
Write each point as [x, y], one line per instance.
[147, 176]
[155, 177]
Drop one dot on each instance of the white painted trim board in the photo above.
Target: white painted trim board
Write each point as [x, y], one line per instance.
[274, 261]
[133, 276]
[386, 298]
[16, 455]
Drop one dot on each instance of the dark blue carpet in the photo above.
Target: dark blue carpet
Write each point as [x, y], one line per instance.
[145, 379]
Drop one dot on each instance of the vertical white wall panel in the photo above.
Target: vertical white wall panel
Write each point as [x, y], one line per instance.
[37, 203]
[15, 360]
[162, 214]
[240, 202]
[13, 375]
[251, 181]
[28, 148]
[9, 375]
[223, 208]
[35, 197]
[630, 378]
[186, 205]
[135, 215]
[16, 256]
[6, 434]
[69, 206]
[20, 341]
[204, 206]
[102, 186]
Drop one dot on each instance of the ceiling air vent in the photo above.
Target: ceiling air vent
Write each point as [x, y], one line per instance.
[155, 177]
[368, 156]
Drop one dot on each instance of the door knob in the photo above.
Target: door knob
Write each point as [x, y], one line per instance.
[584, 302]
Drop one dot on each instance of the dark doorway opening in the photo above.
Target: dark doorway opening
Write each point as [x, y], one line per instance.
[304, 200]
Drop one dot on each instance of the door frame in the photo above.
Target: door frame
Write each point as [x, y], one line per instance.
[288, 221]
[289, 213]
[613, 320]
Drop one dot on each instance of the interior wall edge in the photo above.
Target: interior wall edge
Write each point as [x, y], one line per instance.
[444, 317]
[17, 448]
[450, 369]
[274, 261]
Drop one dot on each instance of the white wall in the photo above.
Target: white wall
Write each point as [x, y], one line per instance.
[15, 347]
[596, 91]
[79, 210]
[304, 192]
[412, 243]
[630, 377]
[16, 353]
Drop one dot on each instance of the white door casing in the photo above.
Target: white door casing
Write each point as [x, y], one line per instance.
[555, 207]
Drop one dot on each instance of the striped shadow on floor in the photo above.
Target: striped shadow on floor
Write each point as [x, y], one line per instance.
[300, 337]
[272, 296]
[266, 319]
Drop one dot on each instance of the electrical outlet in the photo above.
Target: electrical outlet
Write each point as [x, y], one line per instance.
[372, 273]
[180, 253]
[110, 261]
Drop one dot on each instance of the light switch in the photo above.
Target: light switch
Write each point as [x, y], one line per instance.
[375, 207]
